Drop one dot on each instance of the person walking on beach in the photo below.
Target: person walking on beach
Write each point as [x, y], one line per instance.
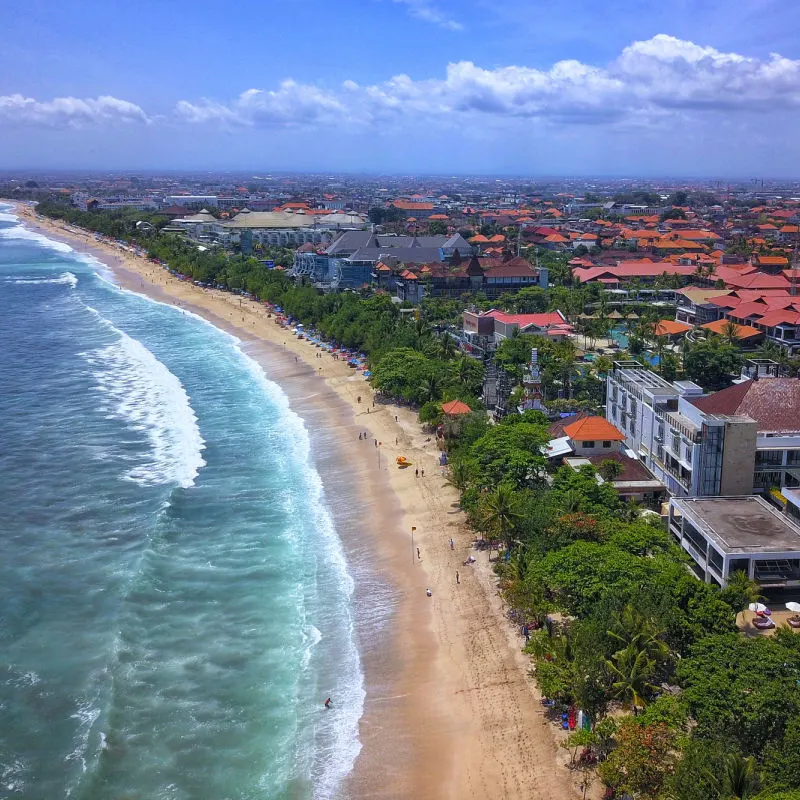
[452, 543]
[419, 557]
[360, 437]
[422, 474]
[458, 578]
[416, 472]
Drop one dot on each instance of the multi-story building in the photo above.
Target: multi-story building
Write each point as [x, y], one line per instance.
[694, 308]
[692, 453]
[736, 441]
[192, 200]
[724, 535]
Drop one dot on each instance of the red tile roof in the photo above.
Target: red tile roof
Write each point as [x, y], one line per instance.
[670, 327]
[593, 429]
[455, 407]
[774, 403]
[742, 331]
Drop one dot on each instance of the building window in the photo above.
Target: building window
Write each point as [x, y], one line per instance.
[769, 458]
[588, 444]
[606, 444]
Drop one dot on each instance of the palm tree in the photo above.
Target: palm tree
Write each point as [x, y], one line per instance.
[740, 778]
[464, 371]
[631, 629]
[447, 346]
[501, 513]
[730, 332]
[741, 590]
[631, 670]
[459, 475]
[430, 389]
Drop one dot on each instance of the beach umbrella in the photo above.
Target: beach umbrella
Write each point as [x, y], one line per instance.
[759, 608]
[793, 607]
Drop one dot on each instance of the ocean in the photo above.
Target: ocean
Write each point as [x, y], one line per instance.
[175, 602]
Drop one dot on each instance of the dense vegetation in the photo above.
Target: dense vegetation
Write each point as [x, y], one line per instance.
[617, 621]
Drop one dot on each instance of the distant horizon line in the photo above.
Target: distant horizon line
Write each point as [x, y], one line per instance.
[252, 174]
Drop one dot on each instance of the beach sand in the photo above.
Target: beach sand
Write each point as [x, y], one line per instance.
[450, 710]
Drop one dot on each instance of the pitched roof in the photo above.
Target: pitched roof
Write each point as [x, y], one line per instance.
[742, 331]
[455, 408]
[774, 403]
[593, 429]
[670, 327]
[556, 429]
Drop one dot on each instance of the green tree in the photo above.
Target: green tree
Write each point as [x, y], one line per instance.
[631, 671]
[741, 591]
[740, 778]
[641, 761]
[712, 364]
[511, 452]
[609, 470]
[501, 513]
[743, 691]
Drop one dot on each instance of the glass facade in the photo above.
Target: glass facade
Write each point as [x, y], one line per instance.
[711, 461]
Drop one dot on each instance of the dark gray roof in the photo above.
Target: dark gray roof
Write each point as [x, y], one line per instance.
[414, 254]
[351, 241]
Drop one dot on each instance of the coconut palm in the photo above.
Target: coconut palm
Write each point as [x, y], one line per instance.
[740, 778]
[730, 333]
[631, 629]
[447, 346]
[631, 670]
[502, 513]
[459, 475]
[430, 389]
[741, 590]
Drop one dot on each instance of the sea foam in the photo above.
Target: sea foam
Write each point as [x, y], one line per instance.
[336, 762]
[68, 278]
[138, 389]
[21, 232]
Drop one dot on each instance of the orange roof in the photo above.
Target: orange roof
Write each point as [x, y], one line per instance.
[455, 407]
[593, 429]
[556, 238]
[480, 239]
[404, 205]
[777, 261]
[742, 331]
[670, 327]
[438, 216]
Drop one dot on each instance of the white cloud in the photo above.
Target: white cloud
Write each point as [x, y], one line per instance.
[291, 104]
[650, 83]
[426, 11]
[15, 109]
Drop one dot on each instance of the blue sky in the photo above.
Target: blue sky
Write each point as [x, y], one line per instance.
[413, 86]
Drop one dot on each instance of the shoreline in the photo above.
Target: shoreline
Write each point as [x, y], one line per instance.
[450, 711]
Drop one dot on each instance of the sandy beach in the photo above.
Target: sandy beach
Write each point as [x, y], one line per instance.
[450, 711]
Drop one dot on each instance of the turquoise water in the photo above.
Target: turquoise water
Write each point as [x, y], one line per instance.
[175, 601]
[621, 338]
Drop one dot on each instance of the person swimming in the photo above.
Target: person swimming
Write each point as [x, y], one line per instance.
[328, 703]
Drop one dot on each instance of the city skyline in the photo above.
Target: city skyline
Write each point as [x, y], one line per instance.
[405, 86]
